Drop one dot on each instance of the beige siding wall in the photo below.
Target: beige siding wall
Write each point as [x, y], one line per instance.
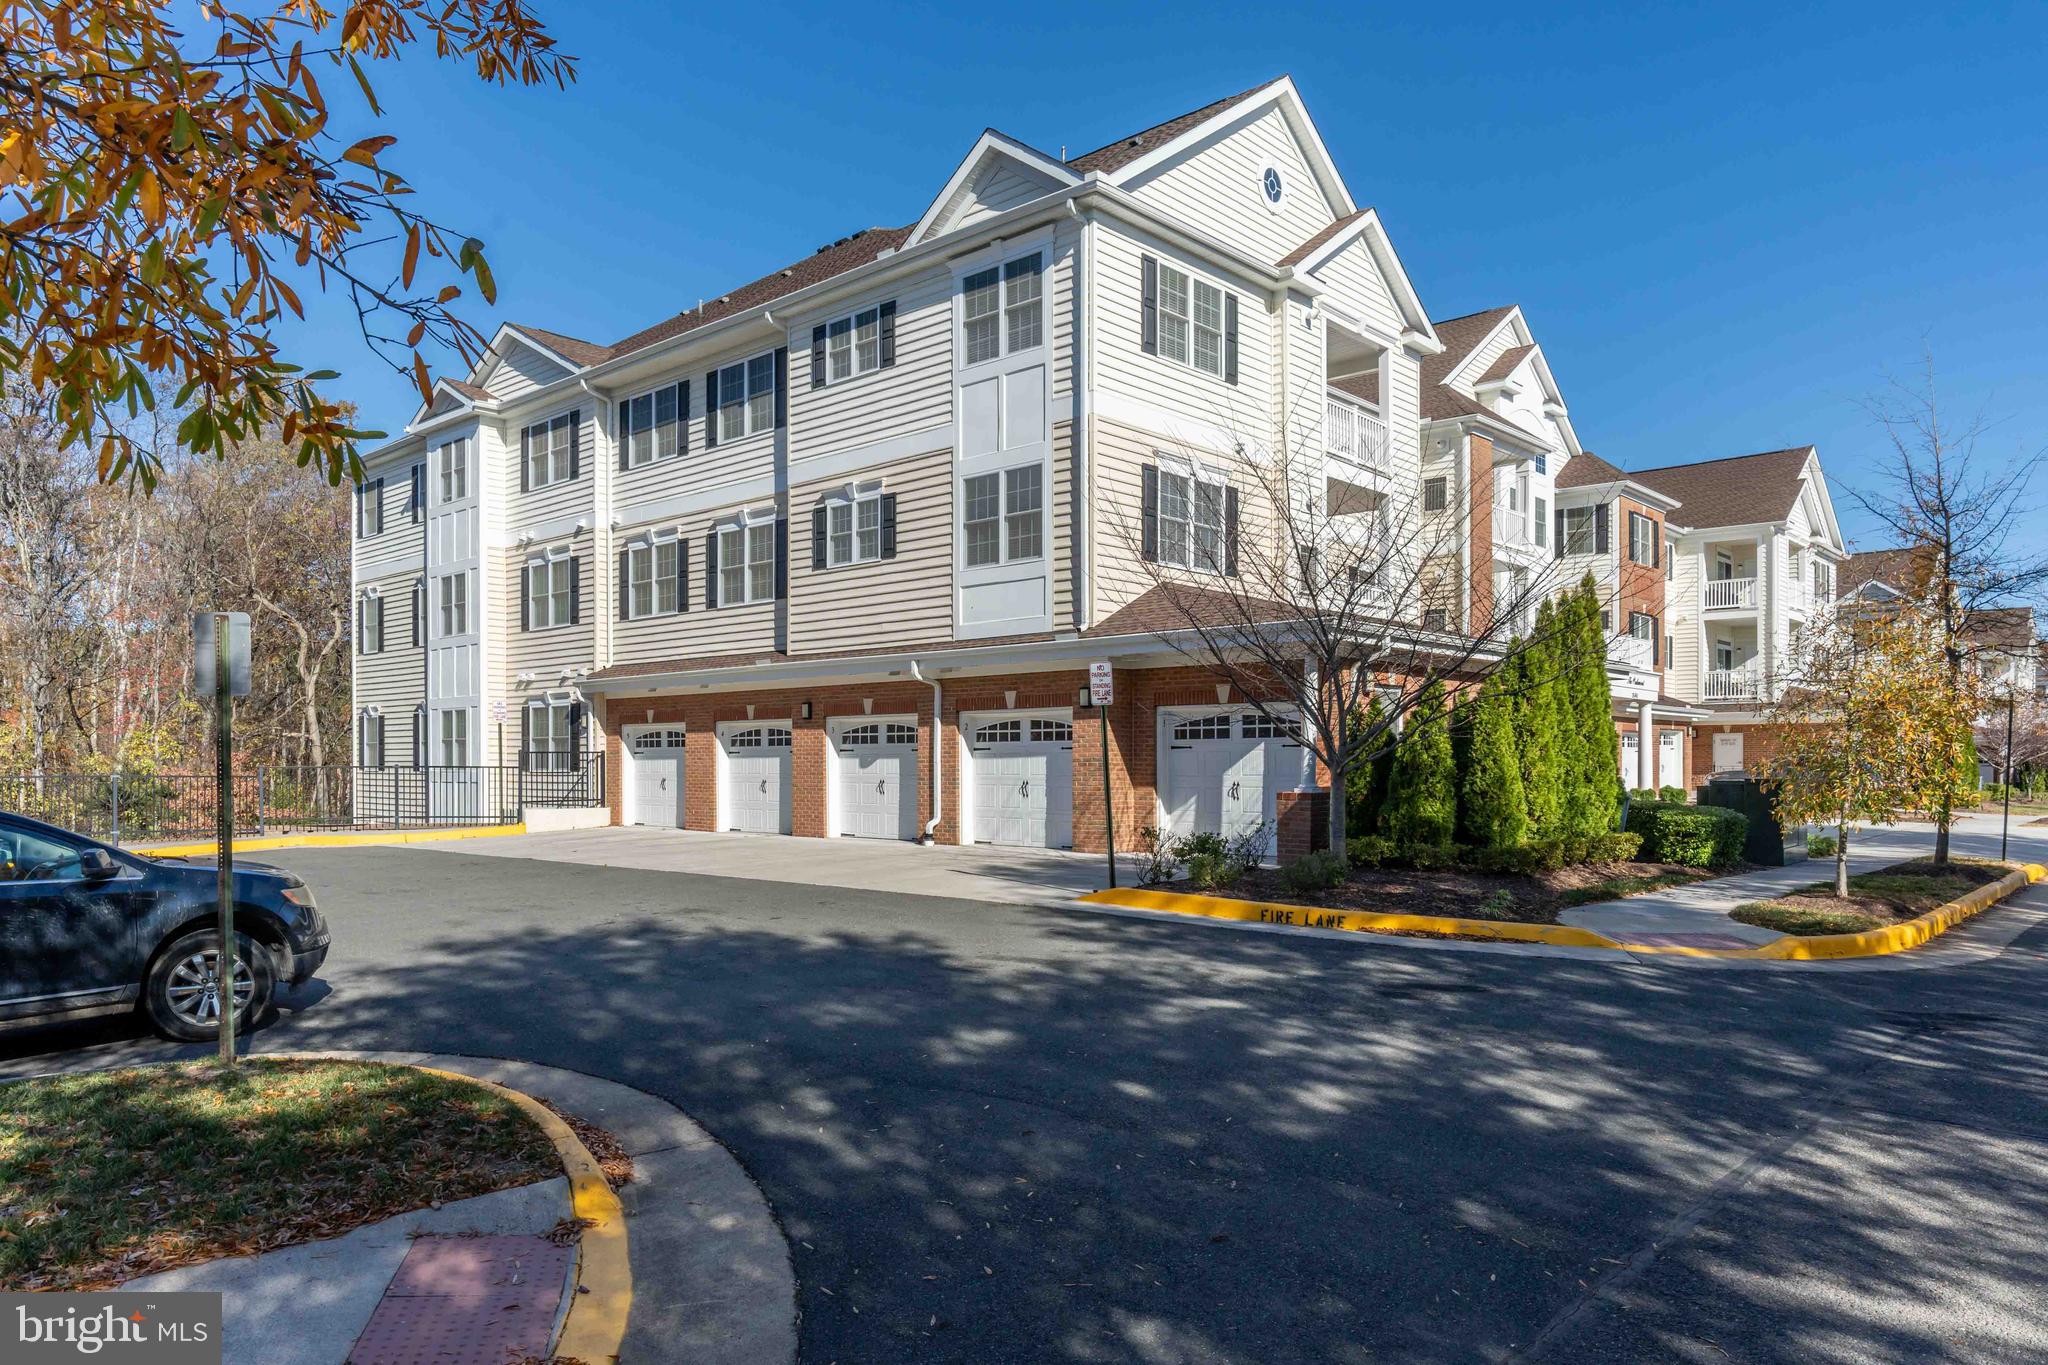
[905, 600]
[699, 631]
[1502, 341]
[401, 540]
[997, 187]
[1121, 452]
[915, 394]
[1682, 611]
[521, 370]
[545, 652]
[1123, 367]
[1360, 287]
[570, 498]
[1216, 187]
[703, 467]
[396, 678]
[1064, 279]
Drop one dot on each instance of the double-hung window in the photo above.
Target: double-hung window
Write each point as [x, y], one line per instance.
[1642, 540]
[1579, 531]
[455, 739]
[370, 623]
[1002, 309]
[853, 345]
[653, 574]
[454, 604]
[746, 564]
[419, 613]
[746, 397]
[370, 508]
[651, 426]
[1190, 522]
[853, 531]
[452, 465]
[1541, 523]
[370, 740]
[1004, 515]
[550, 736]
[1190, 320]
[550, 451]
[550, 593]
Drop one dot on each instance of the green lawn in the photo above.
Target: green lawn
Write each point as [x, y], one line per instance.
[1890, 895]
[115, 1174]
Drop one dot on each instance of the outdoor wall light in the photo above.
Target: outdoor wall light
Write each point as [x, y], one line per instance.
[806, 711]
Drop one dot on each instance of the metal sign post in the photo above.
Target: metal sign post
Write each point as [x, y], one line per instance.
[1101, 692]
[220, 664]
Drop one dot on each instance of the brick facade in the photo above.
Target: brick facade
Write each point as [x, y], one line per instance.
[1479, 535]
[1641, 586]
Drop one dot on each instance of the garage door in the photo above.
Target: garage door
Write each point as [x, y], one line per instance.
[877, 762]
[1022, 783]
[756, 777]
[657, 784]
[1222, 769]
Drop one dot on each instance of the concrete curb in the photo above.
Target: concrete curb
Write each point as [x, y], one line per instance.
[602, 1296]
[365, 839]
[1894, 938]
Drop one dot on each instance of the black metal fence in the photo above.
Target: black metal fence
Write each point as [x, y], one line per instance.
[140, 807]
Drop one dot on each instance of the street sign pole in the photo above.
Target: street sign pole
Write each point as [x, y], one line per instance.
[224, 829]
[2005, 821]
[1101, 691]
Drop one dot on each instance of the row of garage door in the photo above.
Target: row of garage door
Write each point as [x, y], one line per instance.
[1219, 771]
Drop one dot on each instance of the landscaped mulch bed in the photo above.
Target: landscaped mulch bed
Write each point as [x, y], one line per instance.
[1891, 895]
[1464, 894]
[115, 1174]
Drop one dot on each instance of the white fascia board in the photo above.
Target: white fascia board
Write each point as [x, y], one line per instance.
[990, 143]
[1819, 481]
[1583, 494]
[1496, 429]
[409, 444]
[1369, 226]
[1121, 204]
[1512, 321]
[508, 330]
[1280, 92]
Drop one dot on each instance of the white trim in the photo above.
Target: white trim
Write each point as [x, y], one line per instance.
[990, 143]
[1391, 270]
[930, 441]
[1281, 92]
[834, 726]
[687, 504]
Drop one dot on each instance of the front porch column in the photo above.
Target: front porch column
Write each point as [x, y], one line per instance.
[1646, 746]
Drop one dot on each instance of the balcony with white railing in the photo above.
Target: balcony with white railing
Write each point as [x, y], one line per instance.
[1355, 436]
[1511, 529]
[1729, 594]
[1744, 682]
[1632, 652]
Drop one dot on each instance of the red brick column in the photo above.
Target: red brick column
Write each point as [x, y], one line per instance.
[807, 773]
[1479, 505]
[614, 764]
[1295, 814]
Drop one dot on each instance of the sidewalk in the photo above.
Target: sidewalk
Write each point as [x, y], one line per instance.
[479, 1280]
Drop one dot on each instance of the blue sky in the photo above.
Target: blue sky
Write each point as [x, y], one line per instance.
[1727, 225]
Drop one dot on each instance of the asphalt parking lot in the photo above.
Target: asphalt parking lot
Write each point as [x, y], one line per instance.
[1015, 1133]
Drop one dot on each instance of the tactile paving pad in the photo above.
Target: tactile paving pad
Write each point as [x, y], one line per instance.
[467, 1301]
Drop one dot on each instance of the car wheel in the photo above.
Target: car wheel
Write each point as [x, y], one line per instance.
[182, 994]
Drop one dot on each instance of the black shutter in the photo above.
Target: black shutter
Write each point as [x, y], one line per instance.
[888, 331]
[1601, 529]
[419, 615]
[1557, 541]
[575, 590]
[380, 625]
[1230, 532]
[525, 456]
[577, 711]
[525, 729]
[1150, 323]
[888, 525]
[619, 429]
[526, 597]
[711, 571]
[418, 496]
[817, 537]
[1656, 639]
[818, 356]
[683, 418]
[781, 387]
[625, 584]
[1656, 544]
[380, 741]
[710, 409]
[1230, 338]
[575, 444]
[1150, 545]
[682, 573]
[781, 557]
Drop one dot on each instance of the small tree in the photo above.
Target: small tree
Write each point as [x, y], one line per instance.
[1598, 756]
[1365, 786]
[1860, 712]
[1531, 688]
[1491, 784]
[1422, 801]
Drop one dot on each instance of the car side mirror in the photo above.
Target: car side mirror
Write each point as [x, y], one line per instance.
[95, 865]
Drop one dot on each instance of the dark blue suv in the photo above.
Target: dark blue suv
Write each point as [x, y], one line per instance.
[87, 929]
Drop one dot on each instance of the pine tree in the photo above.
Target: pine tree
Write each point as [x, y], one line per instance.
[1491, 805]
[1365, 784]
[1596, 791]
[1422, 803]
[1532, 687]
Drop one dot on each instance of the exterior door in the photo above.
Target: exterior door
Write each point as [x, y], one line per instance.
[657, 762]
[757, 777]
[1631, 760]
[1670, 759]
[877, 778]
[1022, 787]
[1728, 751]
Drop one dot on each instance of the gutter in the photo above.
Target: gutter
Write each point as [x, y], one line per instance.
[600, 524]
[1080, 515]
[938, 751]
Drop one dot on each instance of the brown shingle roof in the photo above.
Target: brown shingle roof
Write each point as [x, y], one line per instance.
[1505, 365]
[1366, 386]
[1302, 252]
[1171, 606]
[1586, 469]
[581, 353]
[1734, 491]
[1125, 150]
[1900, 567]
[468, 390]
[1459, 337]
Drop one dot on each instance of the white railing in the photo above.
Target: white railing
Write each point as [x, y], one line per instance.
[1731, 592]
[1511, 528]
[1744, 683]
[1351, 433]
[1631, 652]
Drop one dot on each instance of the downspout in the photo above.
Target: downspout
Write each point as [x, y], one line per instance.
[600, 515]
[1083, 513]
[938, 751]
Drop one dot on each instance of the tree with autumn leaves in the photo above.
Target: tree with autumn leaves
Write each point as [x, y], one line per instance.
[166, 193]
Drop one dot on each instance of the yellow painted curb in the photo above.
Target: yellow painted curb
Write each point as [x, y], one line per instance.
[366, 838]
[595, 1328]
[1356, 921]
[1895, 938]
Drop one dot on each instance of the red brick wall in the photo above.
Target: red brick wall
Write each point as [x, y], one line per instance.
[1641, 587]
[1479, 532]
[1758, 742]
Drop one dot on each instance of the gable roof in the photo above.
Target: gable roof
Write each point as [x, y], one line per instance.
[580, 353]
[1461, 337]
[1737, 491]
[1122, 152]
[1504, 366]
[1585, 470]
[991, 144]
[1901, 567]
[1309, 247]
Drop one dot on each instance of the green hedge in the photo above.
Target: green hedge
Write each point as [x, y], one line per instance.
[1691, 836]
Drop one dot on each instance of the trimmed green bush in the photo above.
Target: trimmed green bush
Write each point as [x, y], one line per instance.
[1616, 847]
[1365, 784]
[1490, 789]
[1431, 857]
[1671, 794]
[1691, 836]
[1529, 680]
[1313, 872]
[1369, 850]
[1820, 845]
[1422, 802]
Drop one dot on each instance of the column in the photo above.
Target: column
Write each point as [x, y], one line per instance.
[1646, 745]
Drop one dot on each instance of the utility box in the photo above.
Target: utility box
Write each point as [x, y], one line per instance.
[1770, 843]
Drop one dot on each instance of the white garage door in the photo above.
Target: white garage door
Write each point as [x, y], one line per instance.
[1022, 783]
[877, 762]
[657, 787]
[756, 777]
[1222, 769]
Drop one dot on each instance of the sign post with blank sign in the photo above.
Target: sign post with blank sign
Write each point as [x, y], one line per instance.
[1101, 692]
[220, 665]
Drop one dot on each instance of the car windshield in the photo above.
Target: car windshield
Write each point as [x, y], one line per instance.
[26, 857]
